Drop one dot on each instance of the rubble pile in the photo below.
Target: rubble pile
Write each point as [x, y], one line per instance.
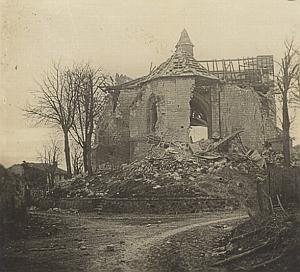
[214, 168]
[211, 175]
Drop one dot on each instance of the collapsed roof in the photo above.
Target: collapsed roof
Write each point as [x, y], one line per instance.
[181, 63]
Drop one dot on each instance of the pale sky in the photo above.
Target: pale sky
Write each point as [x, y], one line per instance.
[123, 36]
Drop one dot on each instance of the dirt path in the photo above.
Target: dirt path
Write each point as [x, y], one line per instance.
[135, 255]
[58, 242]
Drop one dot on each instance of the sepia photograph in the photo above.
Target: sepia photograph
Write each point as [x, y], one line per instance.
[150, 136]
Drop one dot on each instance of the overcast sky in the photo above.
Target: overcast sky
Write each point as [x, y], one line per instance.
[123, 36]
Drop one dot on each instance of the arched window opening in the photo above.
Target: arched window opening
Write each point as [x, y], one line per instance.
[153, 116]
[152, 113]
[198, 122]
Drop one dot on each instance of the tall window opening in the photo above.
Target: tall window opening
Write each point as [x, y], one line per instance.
[153, 116]
[198, 122]
[152, 113]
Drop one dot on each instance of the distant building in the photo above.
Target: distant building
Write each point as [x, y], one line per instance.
[37, 176]
[183, 95]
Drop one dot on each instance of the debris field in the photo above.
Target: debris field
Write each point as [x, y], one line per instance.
[209, 176]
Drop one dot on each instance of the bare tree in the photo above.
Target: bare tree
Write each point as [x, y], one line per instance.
[49, 156]
[89, 107]
[56, 103]
[295, 100]
[77, 162]
[287, 81]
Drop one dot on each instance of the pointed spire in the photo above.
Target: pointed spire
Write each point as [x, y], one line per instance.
[184, 38]
[185, 43]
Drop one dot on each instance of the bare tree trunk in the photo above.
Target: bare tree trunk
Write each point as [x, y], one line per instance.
[286, 131]
[67, 153]
[84, 158]
[90, 106]
[89, 156]
[76, 160]
[89, 144]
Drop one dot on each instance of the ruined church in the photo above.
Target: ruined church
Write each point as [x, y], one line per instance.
[184, 96]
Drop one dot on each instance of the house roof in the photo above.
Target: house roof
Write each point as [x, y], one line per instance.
[42, 167]
[181, 63]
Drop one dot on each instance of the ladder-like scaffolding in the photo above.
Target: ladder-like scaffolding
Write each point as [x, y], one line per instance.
[253, 71]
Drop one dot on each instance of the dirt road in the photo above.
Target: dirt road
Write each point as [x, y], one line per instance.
[60, 242]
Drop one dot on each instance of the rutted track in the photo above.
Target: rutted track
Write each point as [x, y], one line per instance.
[135, 255]
[79, 243]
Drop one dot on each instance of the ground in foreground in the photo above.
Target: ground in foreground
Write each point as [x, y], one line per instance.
[147, 243]
[60, 242]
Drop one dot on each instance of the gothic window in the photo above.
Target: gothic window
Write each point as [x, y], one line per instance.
[152, 113]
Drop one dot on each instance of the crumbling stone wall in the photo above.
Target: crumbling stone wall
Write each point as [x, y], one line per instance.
[161, 107]
[112, 133]
[172, 97]
[235, 108]
[141, 205]
[166, 205]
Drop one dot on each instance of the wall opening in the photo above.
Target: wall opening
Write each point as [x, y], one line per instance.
[153, 116]
[198, 133]
[152, 113]
[198, 122]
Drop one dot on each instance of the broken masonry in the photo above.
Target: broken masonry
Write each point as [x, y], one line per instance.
[184, 99]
